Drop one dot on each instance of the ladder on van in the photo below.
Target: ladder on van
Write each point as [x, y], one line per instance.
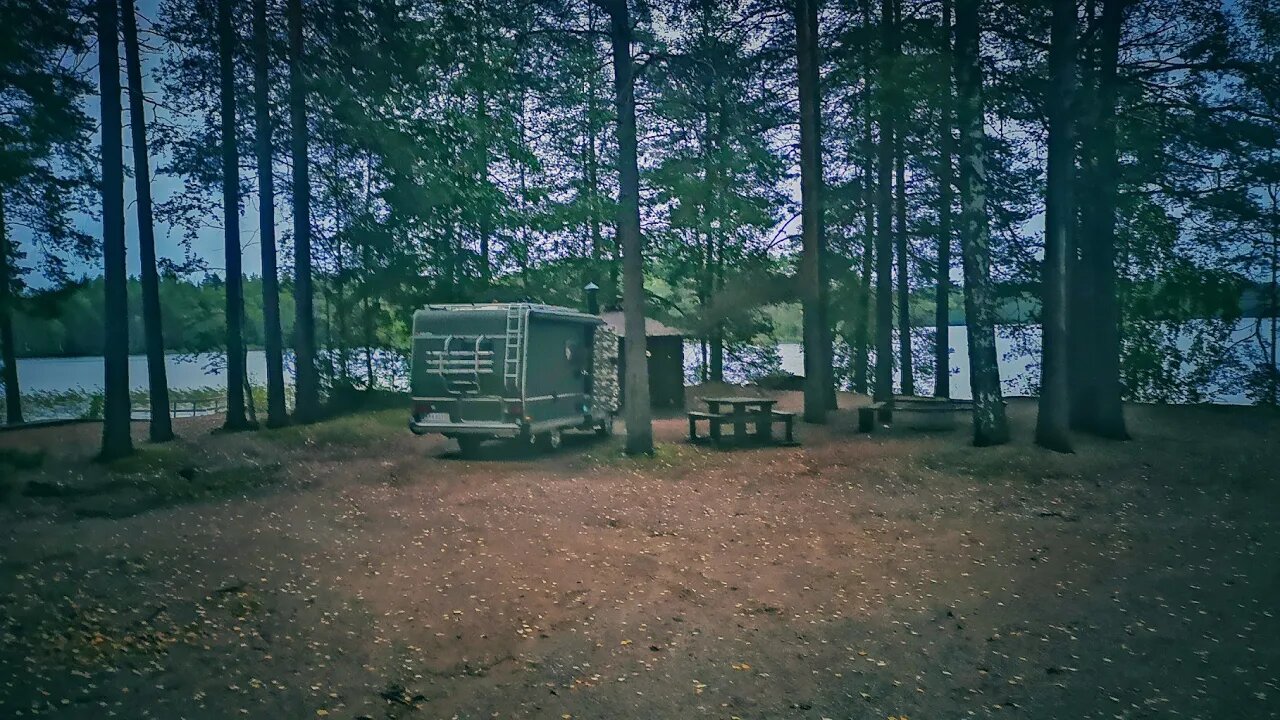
[517, 329]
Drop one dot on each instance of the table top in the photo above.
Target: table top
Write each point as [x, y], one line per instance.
[740, 401]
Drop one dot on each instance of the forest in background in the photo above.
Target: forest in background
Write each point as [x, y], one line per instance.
[1104, 150]
[68, 322]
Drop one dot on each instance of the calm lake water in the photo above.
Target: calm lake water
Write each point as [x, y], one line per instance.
[1017, 349]
[185, 372]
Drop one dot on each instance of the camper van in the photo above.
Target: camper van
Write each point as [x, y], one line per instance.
[516, 370]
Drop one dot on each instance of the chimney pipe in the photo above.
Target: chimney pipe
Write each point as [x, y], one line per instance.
[593, 298]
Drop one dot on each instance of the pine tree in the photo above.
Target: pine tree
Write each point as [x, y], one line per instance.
[8, 349]
[897, 102]
[942, 298]
[884, 209]
[636, 382]
[236, 419]
[277, 413]
[44, 160]
[307, 389]
[161, 424]
[816, 340]
[116, 440]
[1052, 419]
[1105, 415]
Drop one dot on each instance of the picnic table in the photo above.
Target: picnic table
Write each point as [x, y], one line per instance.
[741, 412]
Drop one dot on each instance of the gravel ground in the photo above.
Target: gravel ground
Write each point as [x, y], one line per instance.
[351, 570]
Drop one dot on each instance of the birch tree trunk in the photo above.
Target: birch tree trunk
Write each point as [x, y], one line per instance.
[989, 424]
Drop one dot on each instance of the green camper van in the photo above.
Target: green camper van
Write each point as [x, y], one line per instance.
[517, 370]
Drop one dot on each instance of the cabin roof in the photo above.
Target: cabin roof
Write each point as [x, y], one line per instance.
[652, 328]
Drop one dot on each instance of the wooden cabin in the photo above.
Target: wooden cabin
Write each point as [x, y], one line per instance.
[666, 359]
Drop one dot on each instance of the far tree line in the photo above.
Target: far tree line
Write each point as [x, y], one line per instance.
[1116, 157]
[67, 321]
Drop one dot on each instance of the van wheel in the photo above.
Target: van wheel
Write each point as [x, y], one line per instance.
[549, 441]
[469, 445]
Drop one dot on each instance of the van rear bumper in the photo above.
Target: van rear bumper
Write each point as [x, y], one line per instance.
[487, 429]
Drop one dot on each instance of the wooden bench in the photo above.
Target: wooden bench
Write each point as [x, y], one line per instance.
[714, 421]
[925, 413]
[868, 415]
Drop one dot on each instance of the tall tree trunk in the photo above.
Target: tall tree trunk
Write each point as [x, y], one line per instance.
[942, 301]
[273, 343]
[116, 440]
[989, 424]
[639, 414]
[717, 278]
[817, 358]
[1052, 419]
[706, 279]
[905, 357]
[1107, 410]
[236, 419]
[1273, 371]
[307, 388]
[338, 343]
[486, 210]
[161, 425]
[524, 256]
[717, 248]
[370, 337]
[1082, 389]
[862, 323]
[884, 210]
[8, 352]
[600, 273]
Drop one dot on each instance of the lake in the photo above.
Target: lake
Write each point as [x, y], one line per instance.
[1017, 349]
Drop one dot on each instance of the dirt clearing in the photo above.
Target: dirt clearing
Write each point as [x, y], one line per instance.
[351, 570]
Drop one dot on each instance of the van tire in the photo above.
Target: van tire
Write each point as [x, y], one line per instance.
[548, 441]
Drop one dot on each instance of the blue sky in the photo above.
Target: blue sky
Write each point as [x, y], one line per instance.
[209, 241]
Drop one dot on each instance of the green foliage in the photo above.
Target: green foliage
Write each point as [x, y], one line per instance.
[193, 318]
[348, 431]
[45, 162]
[463, 151]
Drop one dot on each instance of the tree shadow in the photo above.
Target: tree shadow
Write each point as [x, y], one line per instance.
[517, 449]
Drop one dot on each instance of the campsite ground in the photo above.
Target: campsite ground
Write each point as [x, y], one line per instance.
[351, 570]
